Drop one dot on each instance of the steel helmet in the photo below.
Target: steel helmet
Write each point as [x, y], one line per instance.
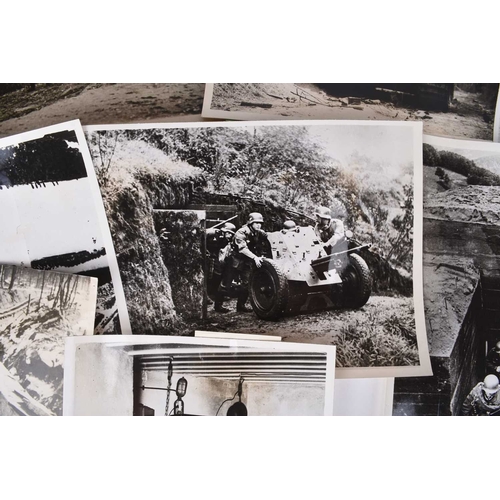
[289, 225]
[491, 384]
[497, 347]
[255, 217]
[228, 227]
[323, 212]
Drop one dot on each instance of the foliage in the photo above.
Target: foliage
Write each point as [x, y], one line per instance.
[282, 167]
[381, 341]
[459, 164]
[403, 224]
[430, 156]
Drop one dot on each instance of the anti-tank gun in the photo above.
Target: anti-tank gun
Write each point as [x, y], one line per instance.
[302, 276]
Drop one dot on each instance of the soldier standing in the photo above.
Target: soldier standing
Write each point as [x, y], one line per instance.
[330, 231]
[218, 247]
[245, 249]
[484, 399]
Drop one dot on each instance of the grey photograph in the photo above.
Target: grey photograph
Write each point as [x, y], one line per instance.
[38, 310]
[461, 282]
[52, 216]
[306, 231]
[27, 106]
[181, 376]
[462, 110]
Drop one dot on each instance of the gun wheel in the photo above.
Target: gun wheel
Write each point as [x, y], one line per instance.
[356, 283]
[268, 290]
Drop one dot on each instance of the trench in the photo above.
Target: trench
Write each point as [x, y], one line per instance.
[458, 369]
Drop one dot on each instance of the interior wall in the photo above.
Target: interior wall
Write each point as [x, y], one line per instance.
[103, 381]
[285, 399]
[204, 396]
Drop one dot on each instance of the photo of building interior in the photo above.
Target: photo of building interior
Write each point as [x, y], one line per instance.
[183, 376]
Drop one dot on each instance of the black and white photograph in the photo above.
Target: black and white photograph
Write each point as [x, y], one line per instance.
[462, 110]
[308, 231]
[38, 311]
[28, 106]
[461, 282]
[52, 216]
[496, 130]
[187, 376]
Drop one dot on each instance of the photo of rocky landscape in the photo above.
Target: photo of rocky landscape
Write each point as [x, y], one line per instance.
[461, 274]
[461, 110]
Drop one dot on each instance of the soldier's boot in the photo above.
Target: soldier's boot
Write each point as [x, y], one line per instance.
[218, 307]
[241, 305]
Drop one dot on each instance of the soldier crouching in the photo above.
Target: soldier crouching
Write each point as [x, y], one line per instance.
[245, 247]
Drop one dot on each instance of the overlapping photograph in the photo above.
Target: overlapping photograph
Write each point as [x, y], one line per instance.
[38, 311]
[52, 216]
[461, 282]
[307, 231]
[187, 376]
[462, 110]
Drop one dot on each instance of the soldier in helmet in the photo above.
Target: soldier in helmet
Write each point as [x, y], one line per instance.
[493, 360]
[288, 226]
[245, 251]
[484, 399]
[330, 231]
[218, 248]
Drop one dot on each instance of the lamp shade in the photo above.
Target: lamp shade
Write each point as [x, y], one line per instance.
[181, 388]
[238, 409]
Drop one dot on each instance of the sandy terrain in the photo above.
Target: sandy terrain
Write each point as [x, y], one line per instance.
[109, 103]
[467, 117]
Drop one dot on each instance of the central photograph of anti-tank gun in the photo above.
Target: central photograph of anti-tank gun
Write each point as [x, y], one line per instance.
[290, 271]
[304, 231]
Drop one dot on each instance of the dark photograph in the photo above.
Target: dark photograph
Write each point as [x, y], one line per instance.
[52, 217]
[461, 282]
[302, 231]
[462, 110]
[182, 376]
[38, 310]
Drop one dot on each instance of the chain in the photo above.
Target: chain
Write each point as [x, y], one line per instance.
[169, 385]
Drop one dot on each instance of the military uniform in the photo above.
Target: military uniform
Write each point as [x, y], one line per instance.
[477, 404]
[492, 361]
[218, 248]
[244, 248]
[330, 234]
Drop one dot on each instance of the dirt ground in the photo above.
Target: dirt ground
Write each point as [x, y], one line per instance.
[96, 104]
[315, 328]
[466, 118]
